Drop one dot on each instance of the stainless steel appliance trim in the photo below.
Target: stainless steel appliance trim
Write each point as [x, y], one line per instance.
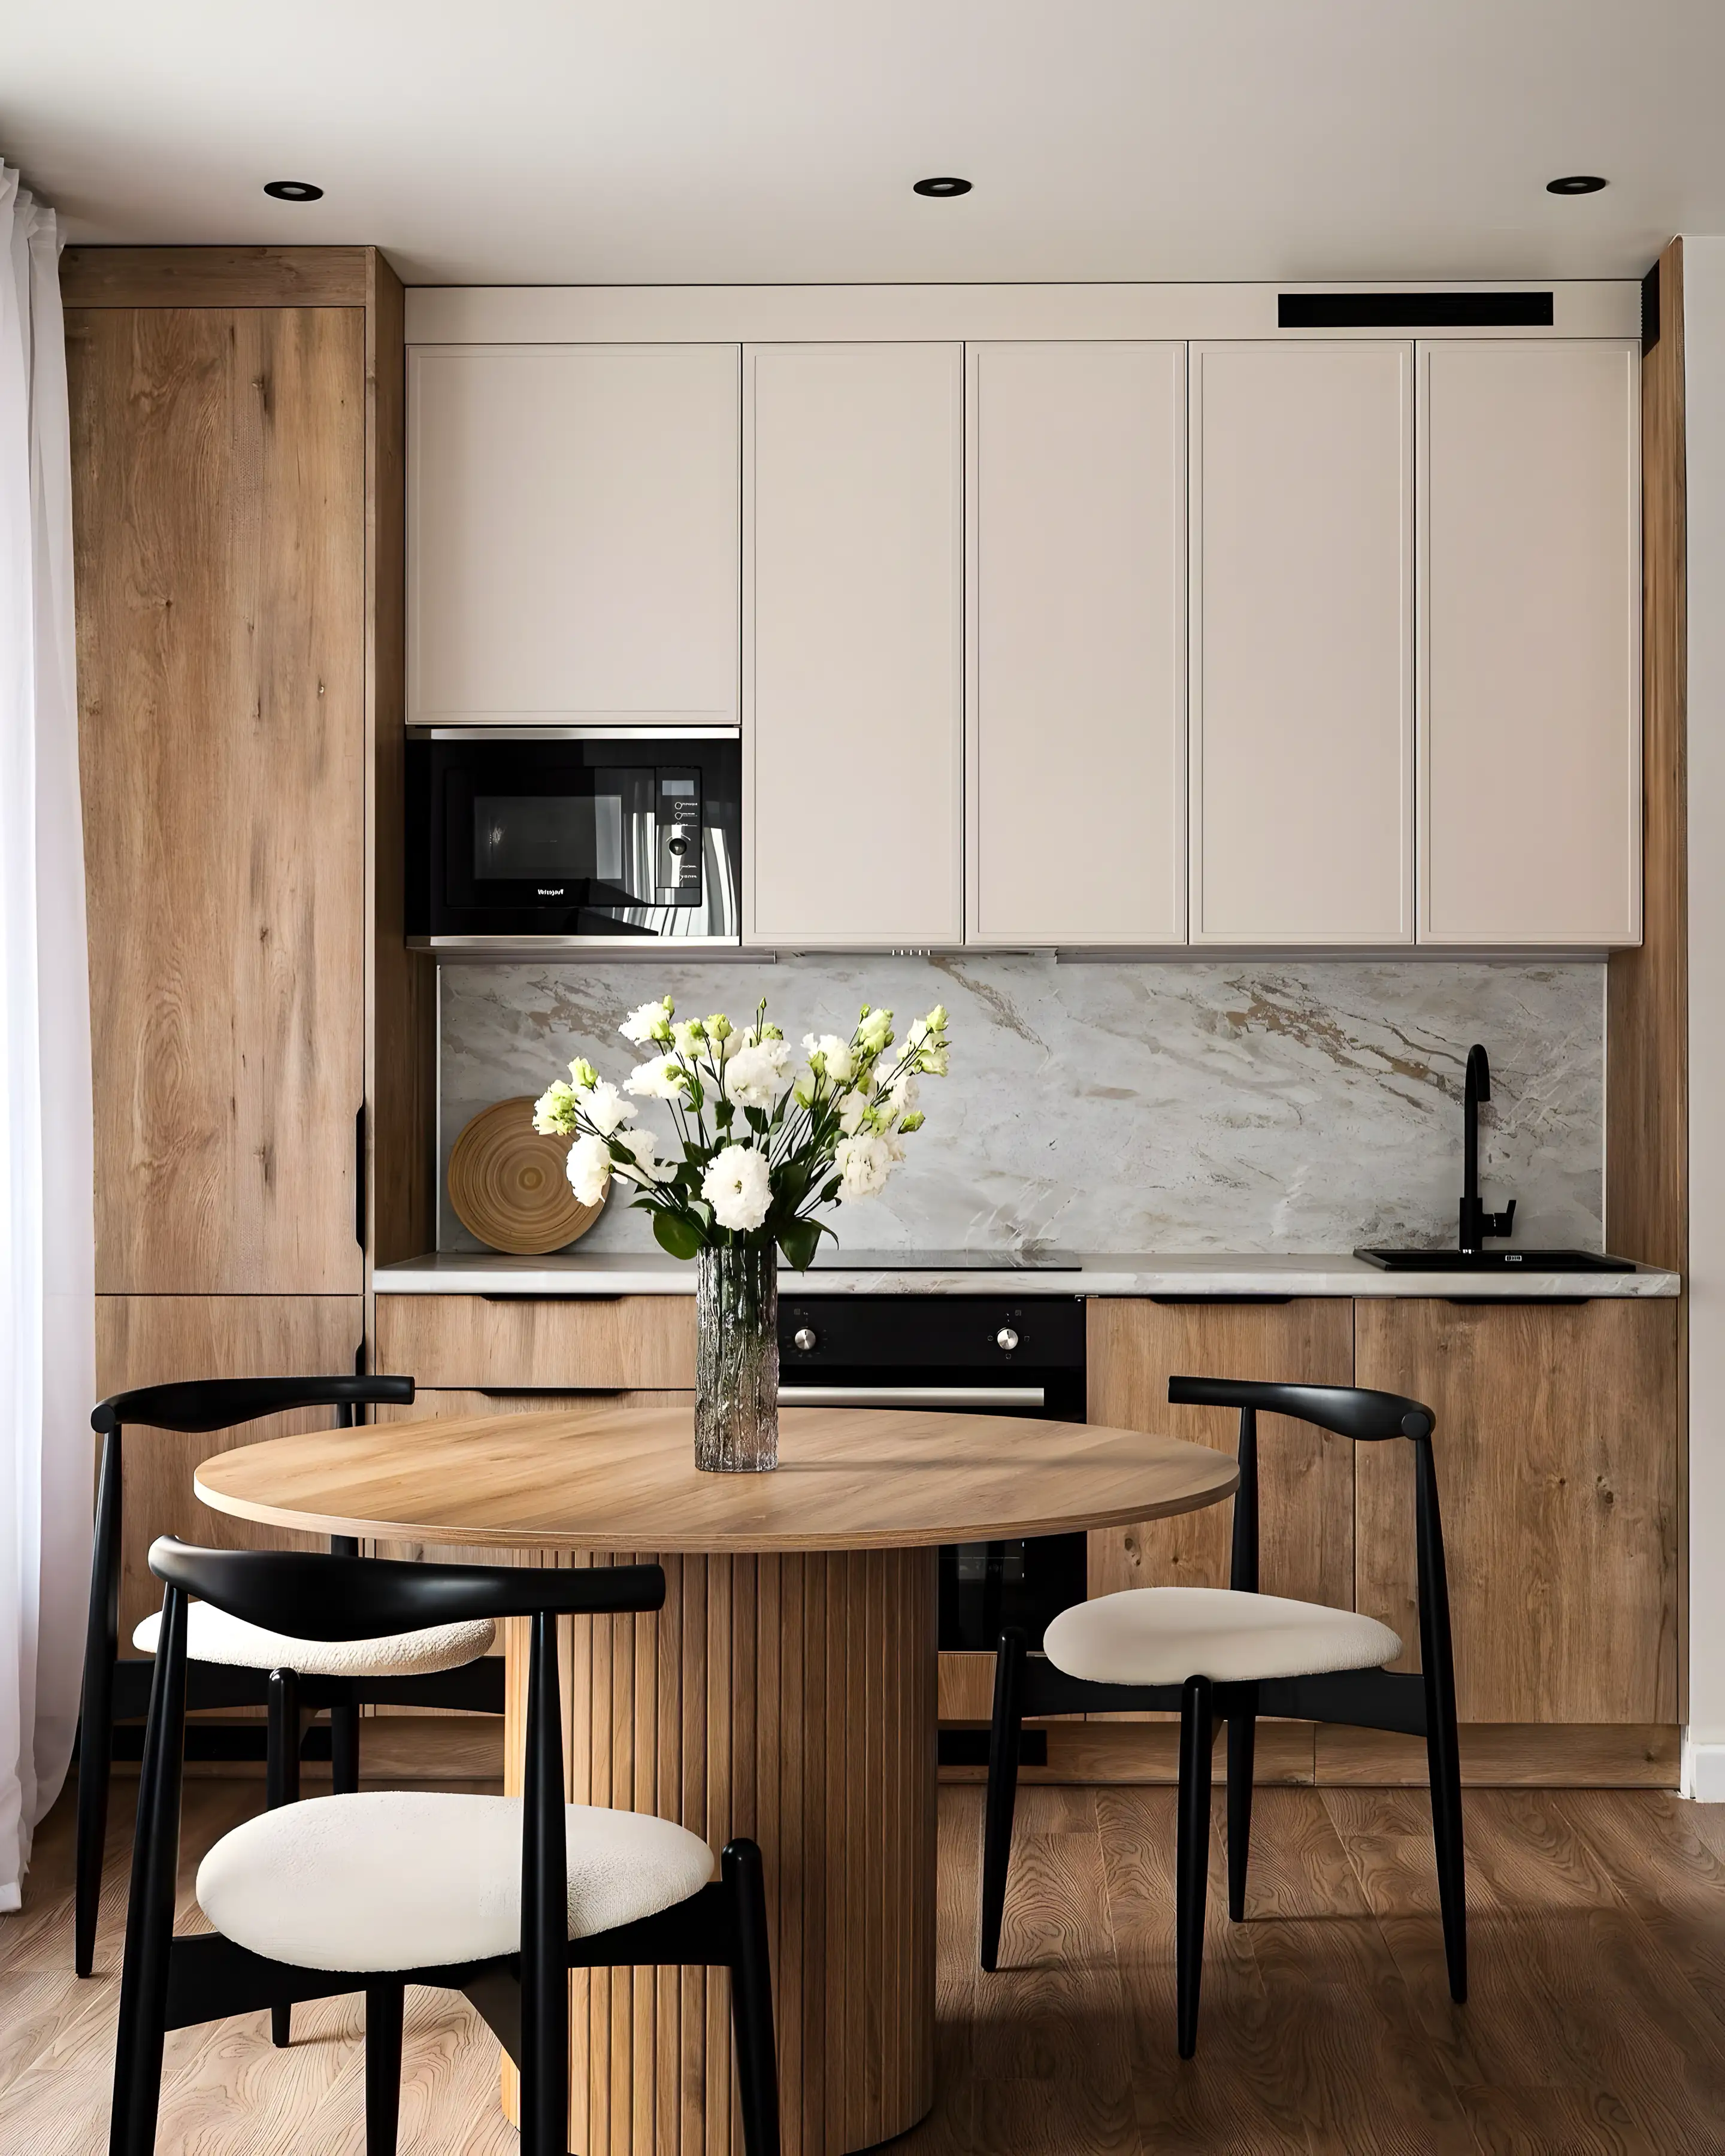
[645, 732]
[912, 1396]
[646, 947]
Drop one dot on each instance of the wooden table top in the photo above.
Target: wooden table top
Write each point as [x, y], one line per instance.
[625, 1479]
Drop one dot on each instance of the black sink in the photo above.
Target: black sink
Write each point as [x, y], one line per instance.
[1494, 1261]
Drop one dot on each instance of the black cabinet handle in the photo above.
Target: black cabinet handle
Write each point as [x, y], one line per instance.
[359, 1175]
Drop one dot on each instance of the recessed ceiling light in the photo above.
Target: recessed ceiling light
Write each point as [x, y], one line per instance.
[947, 186]
[1575, 183]
[293, 191]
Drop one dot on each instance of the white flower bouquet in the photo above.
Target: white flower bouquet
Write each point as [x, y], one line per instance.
[763, 1139]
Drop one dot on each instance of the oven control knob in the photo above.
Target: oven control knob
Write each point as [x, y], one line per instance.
[806, 1338]
[1006, 1338]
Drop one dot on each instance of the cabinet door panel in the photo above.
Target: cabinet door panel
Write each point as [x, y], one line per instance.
[1301, 569]
[162, 1339]
[218, 476]
[1305, 1476]
[1076, 684]
[470, 1340]
[1556, 1453]
[852, 650]
[572, 533]
[1530, 674]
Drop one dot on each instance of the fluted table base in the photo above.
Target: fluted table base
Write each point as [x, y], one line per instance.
[791, 1698]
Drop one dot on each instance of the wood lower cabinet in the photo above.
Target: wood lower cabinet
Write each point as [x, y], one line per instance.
[158, 1339]
[1305, 1479]
[1557, 1461]
[538, 1344]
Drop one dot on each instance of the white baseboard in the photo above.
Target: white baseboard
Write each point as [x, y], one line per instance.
[1704, 1771]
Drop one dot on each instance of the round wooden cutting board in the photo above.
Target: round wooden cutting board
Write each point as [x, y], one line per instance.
[507, 1184]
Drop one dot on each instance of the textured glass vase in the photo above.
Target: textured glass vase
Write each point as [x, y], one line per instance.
[736, 1360]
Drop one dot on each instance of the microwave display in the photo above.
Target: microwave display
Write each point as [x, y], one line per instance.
[617, 838]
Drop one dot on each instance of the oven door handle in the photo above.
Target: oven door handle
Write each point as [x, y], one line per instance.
[912, 1396]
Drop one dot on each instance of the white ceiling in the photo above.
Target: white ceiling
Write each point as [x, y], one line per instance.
[647, 141]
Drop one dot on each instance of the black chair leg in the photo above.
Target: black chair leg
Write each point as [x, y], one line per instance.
[1242, 1743]
[1197, 1736]
[383, 2018]
[344, 1748]
[1004, 1739]
[751, 2000]
[281, 1786]
[1444, 1765]
[95, 1744]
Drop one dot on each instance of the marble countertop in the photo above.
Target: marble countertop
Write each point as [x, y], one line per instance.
[1125, 1273]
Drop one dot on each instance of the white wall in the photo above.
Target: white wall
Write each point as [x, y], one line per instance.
[1704, 390]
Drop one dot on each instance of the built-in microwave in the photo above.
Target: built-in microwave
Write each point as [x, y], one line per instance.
[547, 836]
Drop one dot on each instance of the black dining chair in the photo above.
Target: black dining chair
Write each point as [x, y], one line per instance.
[496, 1897]
[1234, 1654]
[233, 1664]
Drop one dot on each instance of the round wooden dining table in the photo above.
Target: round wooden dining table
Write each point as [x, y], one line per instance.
[787, 1691]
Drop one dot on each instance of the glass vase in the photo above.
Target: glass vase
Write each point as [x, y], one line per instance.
[736, 1359]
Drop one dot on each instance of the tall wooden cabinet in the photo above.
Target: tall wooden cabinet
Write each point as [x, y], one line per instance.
[259, 1033]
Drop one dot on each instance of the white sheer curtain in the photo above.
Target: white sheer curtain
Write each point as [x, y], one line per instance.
[47, 1260]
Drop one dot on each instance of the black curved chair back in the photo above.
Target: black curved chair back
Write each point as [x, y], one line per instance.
[206, 1403]
[1346, 1410]
[309, 1596]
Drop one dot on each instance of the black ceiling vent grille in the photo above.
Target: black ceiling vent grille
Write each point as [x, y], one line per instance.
[1414, 310]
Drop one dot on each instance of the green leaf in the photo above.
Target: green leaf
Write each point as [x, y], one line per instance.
[673, 1233]
[799, 1242]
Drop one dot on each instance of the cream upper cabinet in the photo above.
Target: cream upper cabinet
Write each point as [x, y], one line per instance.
[1301, 568]
[853, 698]
[572, 533]
[1076, 674]
[1530, 673]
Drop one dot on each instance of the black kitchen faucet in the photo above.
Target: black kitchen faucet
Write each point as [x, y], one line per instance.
[1476, 1224]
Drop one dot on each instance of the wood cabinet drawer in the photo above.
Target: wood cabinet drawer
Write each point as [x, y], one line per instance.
[576, 1345]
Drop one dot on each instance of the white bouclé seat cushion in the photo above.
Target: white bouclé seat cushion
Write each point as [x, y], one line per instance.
[211, 1636]
[1162, 1636]
[398, 1879]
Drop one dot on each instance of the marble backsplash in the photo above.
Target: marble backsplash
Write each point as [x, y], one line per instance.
[1124, 1106]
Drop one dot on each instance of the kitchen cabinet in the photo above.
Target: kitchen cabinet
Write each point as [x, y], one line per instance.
[1556, 1449]
[1529, 645]
[219, 513]
[1076, 680]
[572, 535]
[158, 1339]
[853, 694]
[1304, 1476]
[525, 1343]
[1301, 643]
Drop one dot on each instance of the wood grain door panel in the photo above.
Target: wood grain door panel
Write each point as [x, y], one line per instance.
[161, 1339]
[1305, 1478]
[551, 1343]
[218, 461]
[1556, 1453]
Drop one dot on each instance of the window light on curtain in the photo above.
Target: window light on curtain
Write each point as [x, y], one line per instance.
[47, 1262]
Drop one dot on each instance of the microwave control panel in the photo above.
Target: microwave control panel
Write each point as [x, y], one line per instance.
[677, 818]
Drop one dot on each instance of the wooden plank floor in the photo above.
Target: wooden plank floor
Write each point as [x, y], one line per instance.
[1597, 2020]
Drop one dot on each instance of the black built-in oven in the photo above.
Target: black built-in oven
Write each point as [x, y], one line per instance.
[974, 1354]
[575, 834]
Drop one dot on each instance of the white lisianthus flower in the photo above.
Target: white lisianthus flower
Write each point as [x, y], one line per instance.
[829, 1057]
[554, 1110]
[902, 1094]
[688, 1037]
[662, 1078]
[864, 1164]
[874, 1031]
[852, 1110]
[588, 1169]
[648, 1167]
[583, 1075]
[605, 1107]
[738, 1187]
[647, 1022]
[757, 1073]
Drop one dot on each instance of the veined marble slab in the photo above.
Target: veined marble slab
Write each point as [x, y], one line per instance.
[1227, 1107]
[585, 1272]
